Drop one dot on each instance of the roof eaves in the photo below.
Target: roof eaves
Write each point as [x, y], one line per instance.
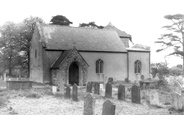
[65, 58]
[55, 62]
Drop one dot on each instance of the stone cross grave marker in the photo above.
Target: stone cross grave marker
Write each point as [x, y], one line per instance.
[154, 97]
[89, 105]
[75, 93]
[108, 108]
[97, 88]
[108, 90]
[67, 93]
[89, 87]
[121, 92]
[135, 93]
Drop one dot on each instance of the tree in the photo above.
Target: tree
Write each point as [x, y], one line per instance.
[9, 45]
[60, 20]
[175, 71]
[91, 25]
[15, 44]
[174, 39]
[159, 68]
[26, 32]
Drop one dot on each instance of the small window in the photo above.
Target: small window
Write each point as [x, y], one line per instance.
[99, 66]
[35, 53]
[137, 66]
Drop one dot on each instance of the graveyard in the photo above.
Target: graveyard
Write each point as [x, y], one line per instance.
[92, 99]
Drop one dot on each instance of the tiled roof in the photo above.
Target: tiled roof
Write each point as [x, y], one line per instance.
[63, 56]
[139, 47]
[120, 32]
[56, 64]
[86, 39]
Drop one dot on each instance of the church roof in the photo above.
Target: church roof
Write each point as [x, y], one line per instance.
[139, 47]
[60, 59]
[63, 56]
[120, 32]
[58, 37]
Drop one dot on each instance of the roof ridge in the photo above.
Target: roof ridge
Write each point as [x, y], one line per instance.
[42, 25]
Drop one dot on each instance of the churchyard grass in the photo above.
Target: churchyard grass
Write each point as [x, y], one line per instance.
[22, 102]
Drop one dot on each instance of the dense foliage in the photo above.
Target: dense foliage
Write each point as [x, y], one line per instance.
[60, 20]
[91, 25]
[15, 44]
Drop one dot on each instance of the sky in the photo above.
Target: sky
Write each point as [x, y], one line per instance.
[142, 19]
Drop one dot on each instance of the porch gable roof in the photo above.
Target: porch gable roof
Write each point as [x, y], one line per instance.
[63, 57]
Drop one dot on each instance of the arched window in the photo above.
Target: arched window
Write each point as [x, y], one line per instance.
[137, 66]
[99, 66]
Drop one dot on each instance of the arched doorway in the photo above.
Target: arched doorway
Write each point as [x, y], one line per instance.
[74, 74]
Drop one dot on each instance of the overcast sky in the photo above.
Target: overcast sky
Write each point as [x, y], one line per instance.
[142, 19]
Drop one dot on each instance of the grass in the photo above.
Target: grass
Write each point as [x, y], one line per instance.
[36, 93]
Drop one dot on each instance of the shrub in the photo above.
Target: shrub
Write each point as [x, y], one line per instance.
[162, 84]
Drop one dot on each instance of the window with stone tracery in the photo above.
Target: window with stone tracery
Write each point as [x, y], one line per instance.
[99, 66]
[137, 66]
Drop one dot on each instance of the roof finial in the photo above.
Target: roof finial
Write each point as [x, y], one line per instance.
[110, 24]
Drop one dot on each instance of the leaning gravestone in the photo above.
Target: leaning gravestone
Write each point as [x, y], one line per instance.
[89, 87]
[121, 92]
[75, 93]
[108, 108]
[89, 105]
[97, 88]
[135, 93]
[67, 93]
[108, 90]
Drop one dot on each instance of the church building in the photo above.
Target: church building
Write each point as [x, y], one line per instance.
[63, 55]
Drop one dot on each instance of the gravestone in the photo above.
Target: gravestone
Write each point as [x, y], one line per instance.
[121, 92]
[67, 93]
[135, 93]
[89, 87]
[97, 88]
[110, 80]
[177, 96]
[144, 86]
[89, 105]
[154, 97]
[75, 93]
[108, 108]
[108, 90]
[176, 88]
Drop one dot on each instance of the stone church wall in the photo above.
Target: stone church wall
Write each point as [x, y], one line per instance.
[144, 57]
[115, 65]
[49, 58]
[125, 42]
[36, 60]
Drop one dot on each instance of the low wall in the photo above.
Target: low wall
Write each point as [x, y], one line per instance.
[16, 85]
